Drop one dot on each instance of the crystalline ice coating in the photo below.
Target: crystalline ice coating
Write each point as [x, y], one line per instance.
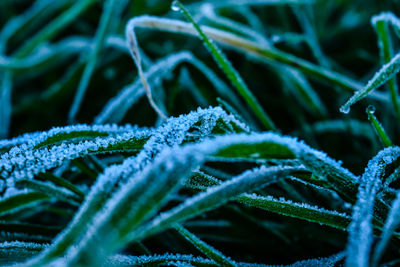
[360, 229]
[321, 262]
[26, 160]
[170, 134]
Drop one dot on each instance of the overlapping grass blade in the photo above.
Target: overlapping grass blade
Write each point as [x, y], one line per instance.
[392, 221]
[116, 107]
[105, 20]
[53, 28]
[380, 23]
[281, 206]
[253, 49]
[205, 248]
[360, 228]
[21, 201]
[172, 133]
[230, 71]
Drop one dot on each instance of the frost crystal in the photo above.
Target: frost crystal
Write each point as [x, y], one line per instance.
[360, 229]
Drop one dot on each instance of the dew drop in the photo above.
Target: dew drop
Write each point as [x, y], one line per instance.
[345, 109]
[370, 109]
[175, 6]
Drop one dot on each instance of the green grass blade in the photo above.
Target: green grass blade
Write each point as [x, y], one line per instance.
[360, 228]
[206, 249]
[58, 181]
[263, 54]
[302, 211]
[54, 27]
[386, 51]
[69, 136]
[18, 202]
[230, 71]
[50, 190]
[385, 74]
[101, 33]
[392, 221]
[378, 128]
[210, 199]
[281, 206]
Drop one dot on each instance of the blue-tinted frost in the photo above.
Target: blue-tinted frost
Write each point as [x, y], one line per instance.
[320, 262]
[25, 160]
[360, 229]
[392, 221]
[172, 133]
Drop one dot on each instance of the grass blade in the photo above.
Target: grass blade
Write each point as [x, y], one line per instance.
[206, 249]
[358, 253]
[54, 27]
[108, 8]
[20, 201]
[392, 221]
[378, 128]
[380, 24]
[386, 73]
[230, 71]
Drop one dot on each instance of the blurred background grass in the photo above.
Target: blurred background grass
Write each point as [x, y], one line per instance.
[42, 95]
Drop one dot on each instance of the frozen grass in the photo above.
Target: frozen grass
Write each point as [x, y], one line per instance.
[180, 181]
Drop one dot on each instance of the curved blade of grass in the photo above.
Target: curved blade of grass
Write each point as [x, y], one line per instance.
[45, 55]
[139, 199]
[116, 107]
[295, 80]
[360, 229]
[106, 17]
[302, 211]
[19, 25]
[281, 206]
[25, 161]
[251, 48]
[379, 130]
[230, 72]
[50, 190]
[47, 176]
[392, 221]
[20, 201]
[392, 177]
[386, 73]
[209, 12]
[210, 199]
[191, 157]
[54, 27]
[205, 248]
[380, 23]
[135, 53]
[29, 229]
[303, 91]
[172, 133]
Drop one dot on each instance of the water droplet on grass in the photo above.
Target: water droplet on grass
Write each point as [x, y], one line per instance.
[370, 109]
[175, 6]
[345, 109]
